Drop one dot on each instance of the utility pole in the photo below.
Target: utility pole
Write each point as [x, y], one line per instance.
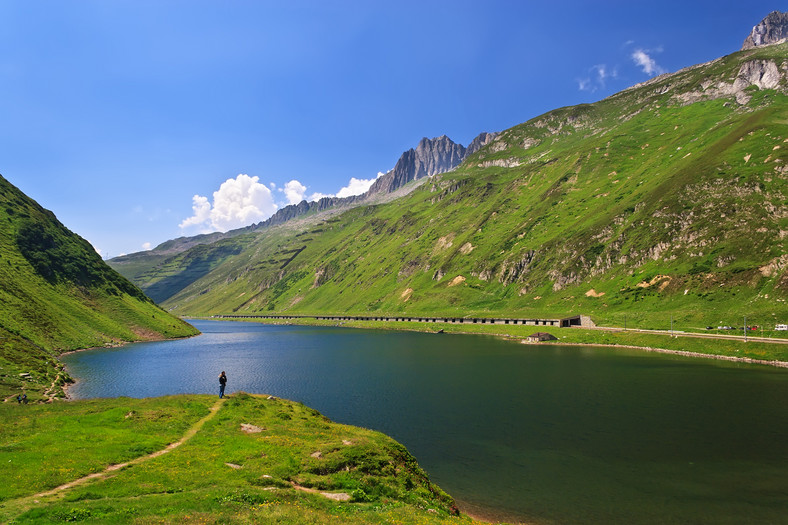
[745, 328]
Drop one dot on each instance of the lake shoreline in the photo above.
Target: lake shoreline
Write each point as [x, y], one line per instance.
[684, 353]
[115, 346]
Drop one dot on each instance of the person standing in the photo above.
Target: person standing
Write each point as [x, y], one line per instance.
[222, 383]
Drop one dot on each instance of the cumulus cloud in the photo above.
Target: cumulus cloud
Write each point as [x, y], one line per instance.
[645, 62]
[202, 212]
[294, 191]
[238, 202]
[146, 246]
[357, 186]
[317, 196]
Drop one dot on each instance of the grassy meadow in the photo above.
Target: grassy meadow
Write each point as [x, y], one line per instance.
[254, 460]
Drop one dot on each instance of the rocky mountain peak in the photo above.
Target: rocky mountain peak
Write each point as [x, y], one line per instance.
[480, 141]
[771, 30]
[430, 157]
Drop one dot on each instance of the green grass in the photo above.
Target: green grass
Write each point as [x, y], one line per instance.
[46, 445]
[221, 475]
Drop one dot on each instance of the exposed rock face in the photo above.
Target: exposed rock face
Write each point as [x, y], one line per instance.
[762, 73]
[479, 142]
[766, 74]
[771, 30]
[431, 156]
[302, 208]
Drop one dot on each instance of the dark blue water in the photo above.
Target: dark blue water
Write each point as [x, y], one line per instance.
[541, 433]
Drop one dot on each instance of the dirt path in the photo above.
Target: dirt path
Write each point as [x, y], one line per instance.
[336, 496]
[27, 500]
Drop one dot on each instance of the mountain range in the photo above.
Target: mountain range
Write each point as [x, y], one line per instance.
[667, 199]
[430, 157]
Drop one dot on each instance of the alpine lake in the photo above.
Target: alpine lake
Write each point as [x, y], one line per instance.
[532, 433]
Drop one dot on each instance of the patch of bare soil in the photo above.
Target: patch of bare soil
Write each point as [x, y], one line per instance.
[663, 280]
[594, 293]
[457, 280]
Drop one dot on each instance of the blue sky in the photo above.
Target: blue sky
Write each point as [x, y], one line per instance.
[140, 121]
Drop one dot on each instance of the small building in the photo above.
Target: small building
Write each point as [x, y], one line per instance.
[540, 336]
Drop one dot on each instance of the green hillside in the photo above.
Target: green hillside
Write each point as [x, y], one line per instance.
[56, 294]
[667, 200]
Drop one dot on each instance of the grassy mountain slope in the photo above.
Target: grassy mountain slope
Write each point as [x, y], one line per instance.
[135, 266]
[56, 294]
[667, 199]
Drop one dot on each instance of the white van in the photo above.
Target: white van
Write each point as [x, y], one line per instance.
[781, 327]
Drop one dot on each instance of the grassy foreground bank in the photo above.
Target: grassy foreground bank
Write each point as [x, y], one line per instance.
[248, 459]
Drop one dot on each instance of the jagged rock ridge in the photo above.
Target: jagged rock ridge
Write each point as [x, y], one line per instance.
[771, 30]
[431, 157]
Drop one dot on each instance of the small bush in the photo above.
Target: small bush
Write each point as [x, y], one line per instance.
[73, 515]
[242, 497]
[359, 496]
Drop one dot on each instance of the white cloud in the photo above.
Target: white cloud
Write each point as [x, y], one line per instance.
[317, 196]
[146, 246]
[597, 78]
[357, 186]
[600, 75]
[202, 212]
[643, 60]
[603, 73]
[238, 202]
[294, 191]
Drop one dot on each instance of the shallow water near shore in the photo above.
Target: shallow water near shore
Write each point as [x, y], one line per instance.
[538, 433]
